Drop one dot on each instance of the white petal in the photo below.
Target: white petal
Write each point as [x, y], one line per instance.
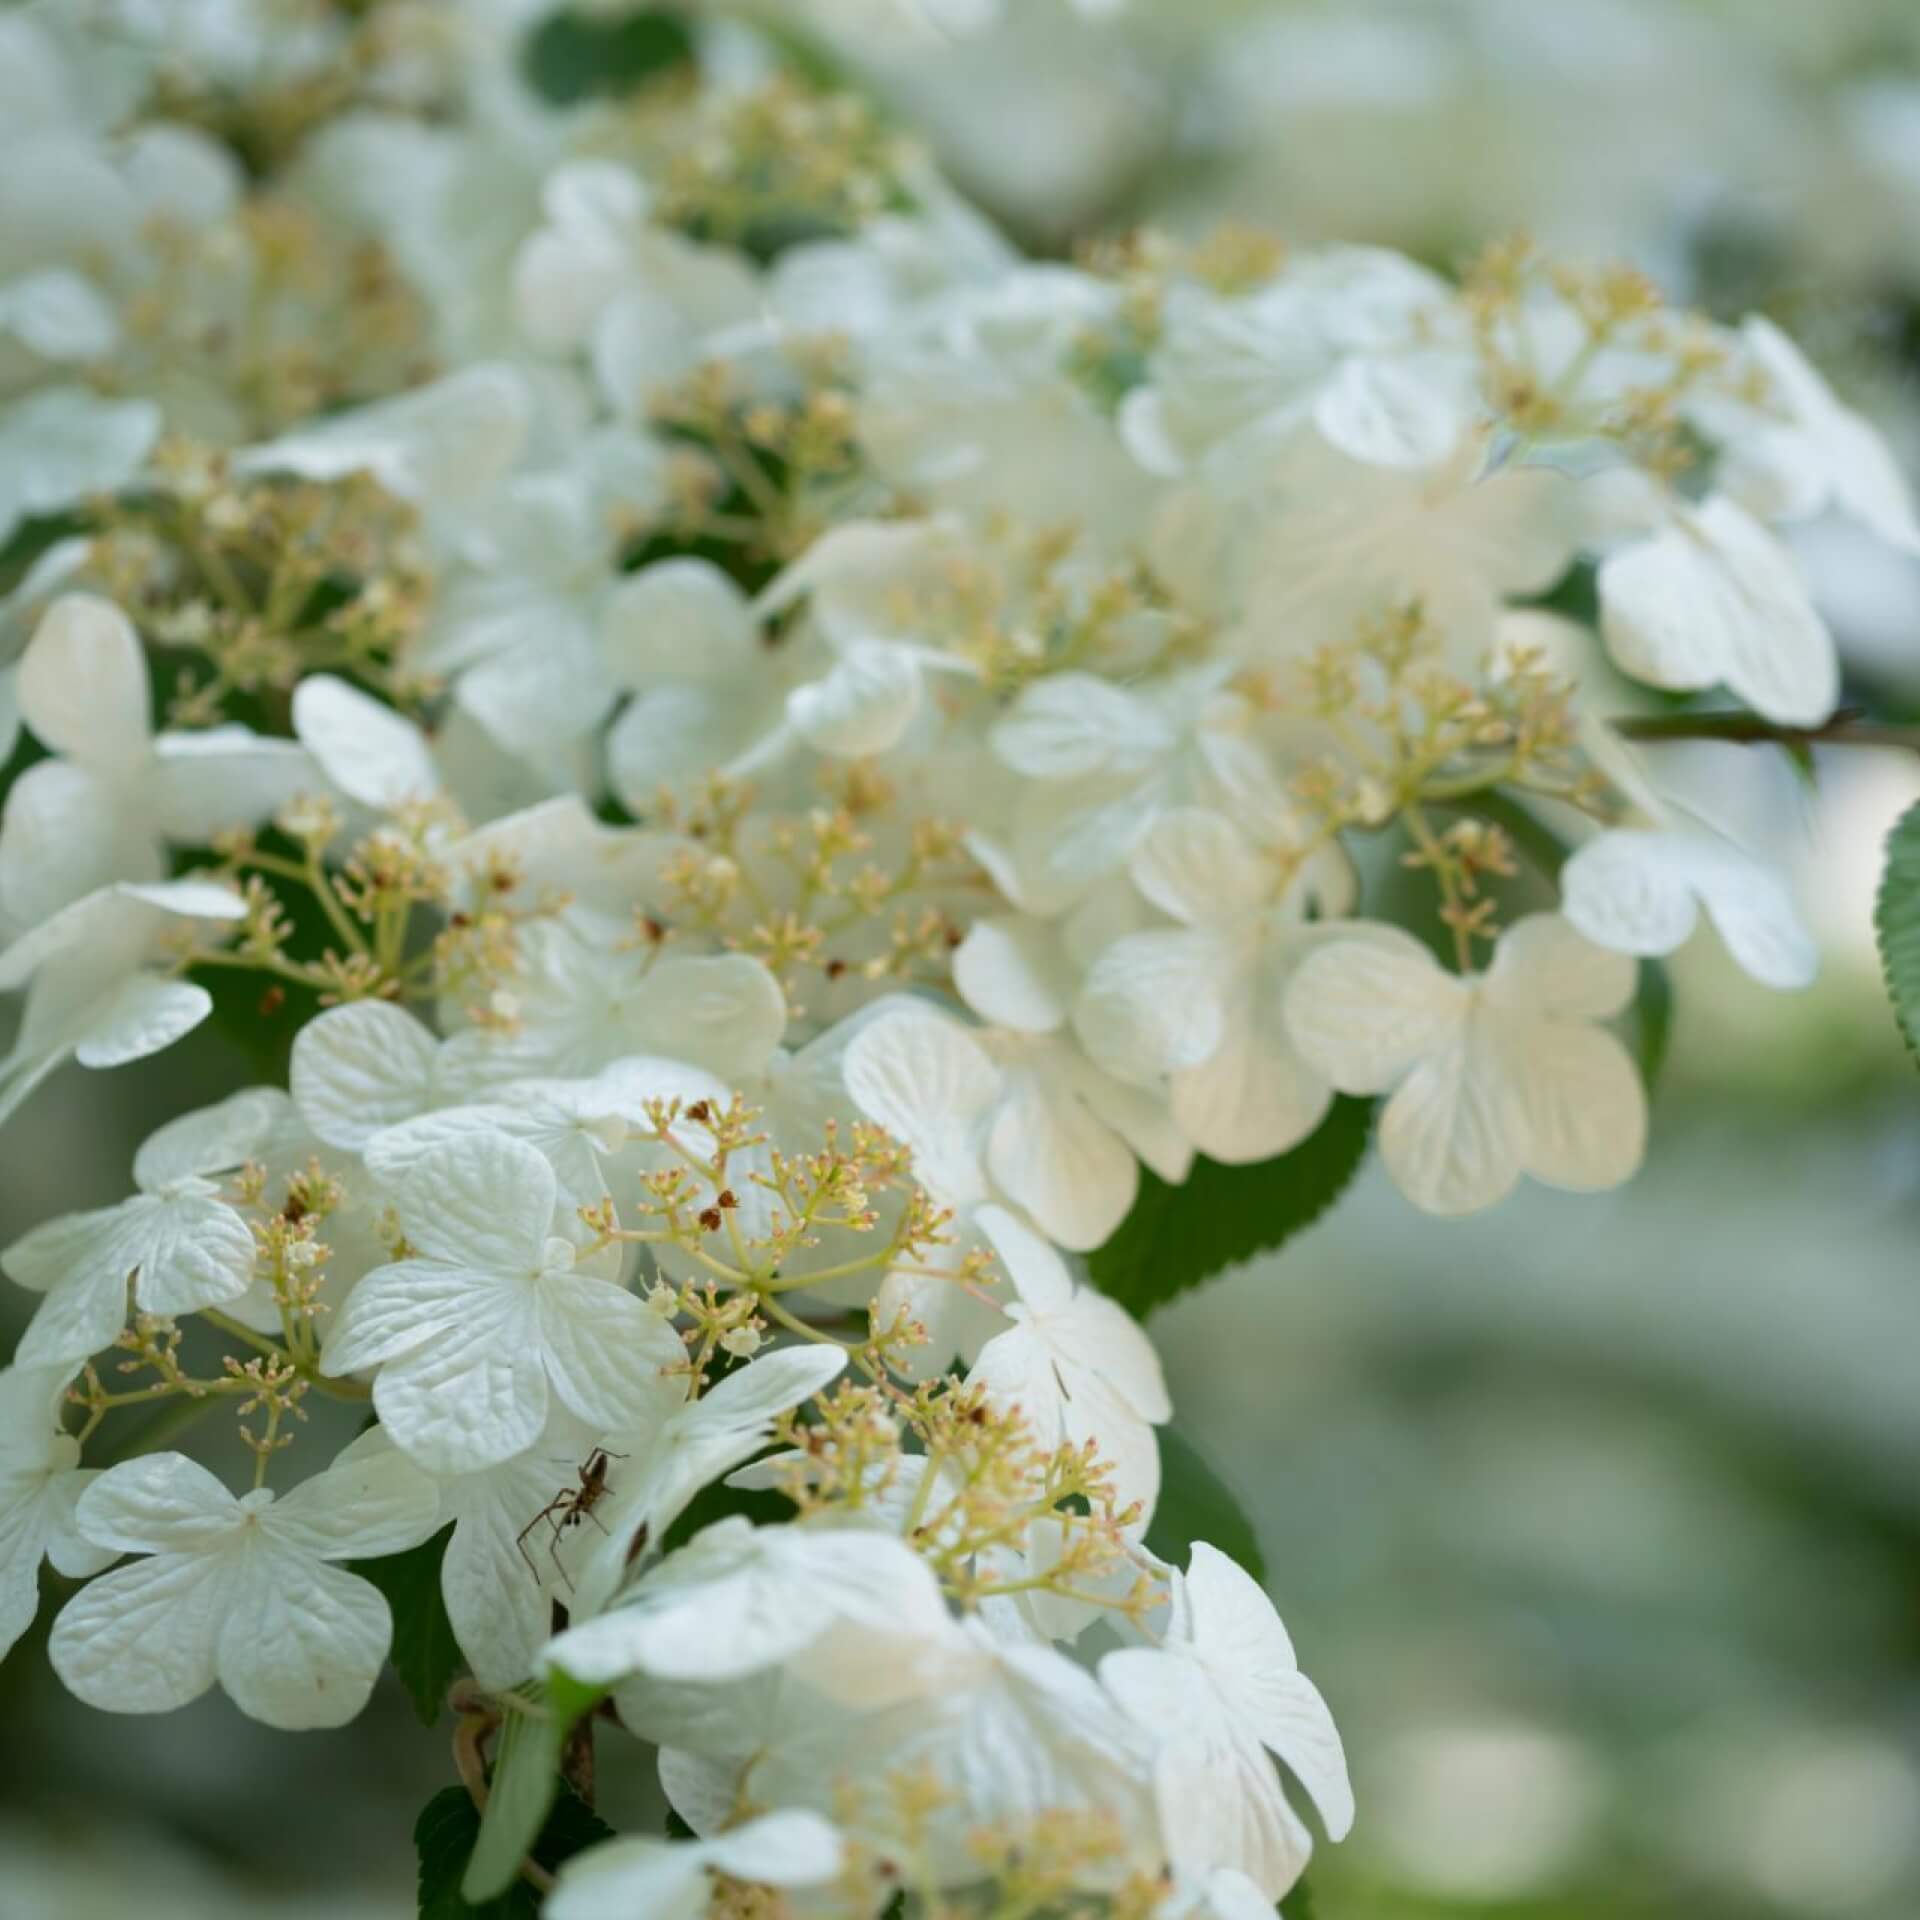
[144, 1016]
[202, 783]
[302, 1642]
[791, 1848]
[1072, 724]
[158, 1503]
[1238, 1633]
[362, 1506]
[678, 619]
[68, 830]
[141, 1639]
[1198, 867]
[1542, 963]
[1579, 1106]
[1255, 1097]
[472, 1397]
[1637, 890]
[361, 1068]
[607, 1353]
[485, 1201]
[1039, 1275]
[1050, 1153]
[1013, 971]
[1391, 413]
[1157, 1002]
[1624, 891]
[82, 683]
[929, 1083]
[211, 1140]
[402, 1306]
[368, 751]
[1360, 1012]
[1444, 1136]
[725, 1013]
[863, 706]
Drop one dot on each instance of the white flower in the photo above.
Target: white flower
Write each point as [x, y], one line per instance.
[1201, 1004]
[668, 1879]
[241, 1591]
[179, 1244]
[857, 1606]
[686, 644]
[583, 1007]
[1711, 598]
[89, 994]
[491, 1320]
[1492, 1076]
[63, 443]
[1064, 1133]
[1107, 761]
[104, 810]
[40, 1480]
[1640, 890]
[1221, 1691]
[1076, 1365]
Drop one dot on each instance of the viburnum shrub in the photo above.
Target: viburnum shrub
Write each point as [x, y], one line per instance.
[810, 817]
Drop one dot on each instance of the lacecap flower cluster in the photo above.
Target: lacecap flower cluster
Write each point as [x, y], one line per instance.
[758, 767]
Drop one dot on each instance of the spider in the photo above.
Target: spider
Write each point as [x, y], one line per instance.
[567, 1509]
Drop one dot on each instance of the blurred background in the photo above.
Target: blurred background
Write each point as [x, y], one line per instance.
[1597, 1519]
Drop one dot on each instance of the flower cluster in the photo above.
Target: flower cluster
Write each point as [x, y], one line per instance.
[763, 764]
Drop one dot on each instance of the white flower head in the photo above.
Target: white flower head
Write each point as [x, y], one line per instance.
[491, 1320]
[1490, 1077]
[240, 1590]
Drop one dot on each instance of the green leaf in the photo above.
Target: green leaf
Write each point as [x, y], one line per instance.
[444, 1838]
[526, 1784]
[570, 57]
[1652, 1015]
[1195, 1504]
[1176, 1237]
[1896, 923]
[1298, 1904]
[425, 1654]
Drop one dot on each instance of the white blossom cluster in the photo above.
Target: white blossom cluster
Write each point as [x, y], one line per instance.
[768, 764]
